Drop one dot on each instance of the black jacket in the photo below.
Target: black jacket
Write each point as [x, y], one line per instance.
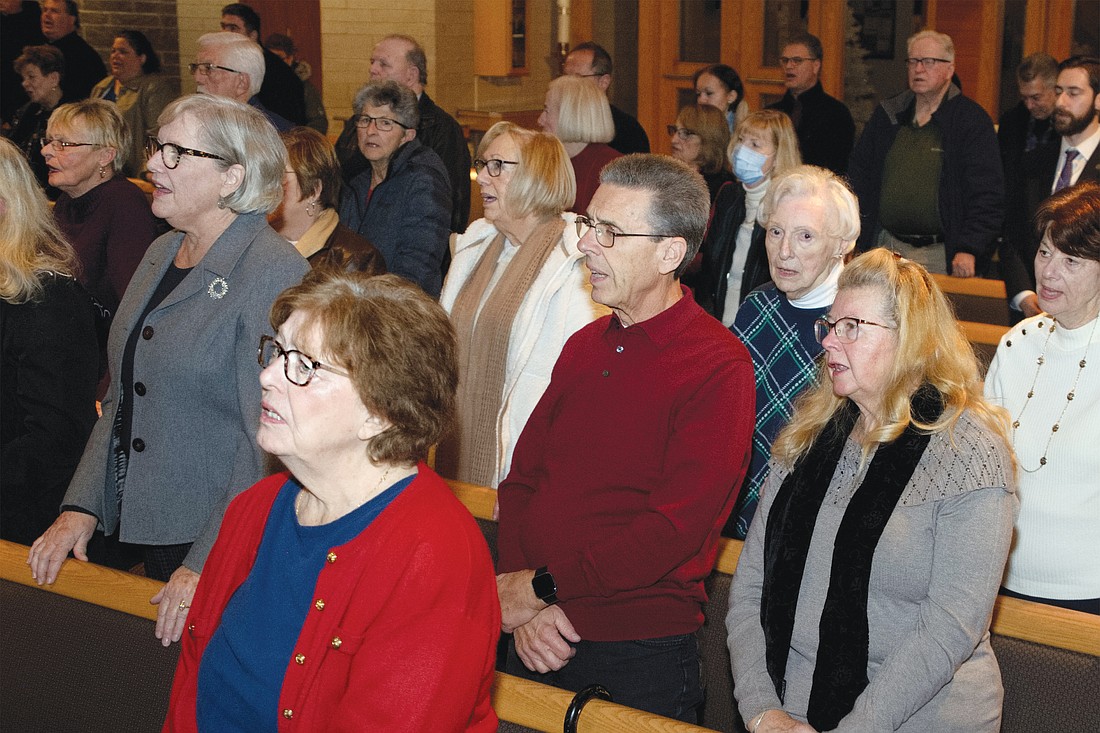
[83, 67]
[719, 243]
[825, 128]
[282, 90]
[630, 136]
[971, 198]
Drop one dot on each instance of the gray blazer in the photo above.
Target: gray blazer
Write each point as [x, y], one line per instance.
[197, 418]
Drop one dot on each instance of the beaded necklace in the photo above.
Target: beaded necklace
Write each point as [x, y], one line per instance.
[1069, 396]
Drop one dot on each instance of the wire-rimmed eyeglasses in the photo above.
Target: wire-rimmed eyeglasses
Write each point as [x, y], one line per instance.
[604, 236]
[383, 124]
[795, 60]
[493, 165]
[170, 152]
[682, 133]
[846, 329]
[204, 68]
[59, 145]
[299, 368]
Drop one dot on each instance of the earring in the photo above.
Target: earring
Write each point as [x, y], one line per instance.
[221, 203]
[102, 173]
[311, 209]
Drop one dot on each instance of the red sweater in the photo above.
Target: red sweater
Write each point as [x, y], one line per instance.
[624, 474]
[406, 637]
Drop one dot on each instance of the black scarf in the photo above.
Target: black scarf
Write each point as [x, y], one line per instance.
[841, 672]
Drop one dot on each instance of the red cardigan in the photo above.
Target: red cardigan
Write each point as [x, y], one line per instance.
[405, 639]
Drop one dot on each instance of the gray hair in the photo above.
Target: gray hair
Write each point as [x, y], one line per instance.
[680, 202]
[242, 136]
[415, 56]
[389, 94]
[240, 53]
[810, 181]
[1040, 66]
[941, 38]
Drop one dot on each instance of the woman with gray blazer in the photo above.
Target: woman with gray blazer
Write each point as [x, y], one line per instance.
[177, 439]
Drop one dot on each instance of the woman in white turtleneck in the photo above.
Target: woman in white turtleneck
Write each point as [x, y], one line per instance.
[811, 223]
[1044, 375]
[734, 261]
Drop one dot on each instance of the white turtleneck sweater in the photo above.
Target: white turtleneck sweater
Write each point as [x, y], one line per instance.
[1058, 530]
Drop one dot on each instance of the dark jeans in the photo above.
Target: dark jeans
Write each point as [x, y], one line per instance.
[659, 676]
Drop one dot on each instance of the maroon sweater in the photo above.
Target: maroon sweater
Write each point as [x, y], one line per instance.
[624, 475]
[110, 227]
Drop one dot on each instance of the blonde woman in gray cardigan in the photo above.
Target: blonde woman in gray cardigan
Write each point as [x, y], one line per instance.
[863, 597]
[177, 439]
[517, 289]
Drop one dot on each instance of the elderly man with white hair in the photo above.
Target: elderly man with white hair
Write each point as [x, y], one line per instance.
[230, 65]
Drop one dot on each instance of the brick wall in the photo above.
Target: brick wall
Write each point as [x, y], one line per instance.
[100, 20]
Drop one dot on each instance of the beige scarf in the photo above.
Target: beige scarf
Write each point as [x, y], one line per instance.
[318, 233]
[469, 454]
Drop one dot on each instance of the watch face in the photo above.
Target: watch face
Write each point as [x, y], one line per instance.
[544, 585]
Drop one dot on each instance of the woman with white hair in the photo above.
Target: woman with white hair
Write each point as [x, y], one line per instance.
[811, 222]
[177, 439]
[578, 113]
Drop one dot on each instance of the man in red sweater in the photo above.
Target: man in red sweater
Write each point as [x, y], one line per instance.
[624, 475]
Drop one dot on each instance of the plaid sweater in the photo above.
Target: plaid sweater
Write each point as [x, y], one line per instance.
[780, 340]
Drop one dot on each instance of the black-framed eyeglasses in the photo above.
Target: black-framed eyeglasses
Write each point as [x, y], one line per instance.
[604, 236]
[927, 62]
[59, 145]
[170, 152]
[384, 124]
[795, 60]
[494, 165]
[846, 329]
[682, 133]
[299, 368]
[206, 67]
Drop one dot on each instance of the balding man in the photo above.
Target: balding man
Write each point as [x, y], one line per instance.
[927, 170]
[591, 61]
[401, 59]
[622, 478]
[229, 65]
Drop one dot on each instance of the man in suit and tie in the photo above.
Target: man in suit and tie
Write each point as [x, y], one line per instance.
[1071, 158]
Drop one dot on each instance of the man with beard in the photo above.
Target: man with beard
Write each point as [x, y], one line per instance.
[1065, 161]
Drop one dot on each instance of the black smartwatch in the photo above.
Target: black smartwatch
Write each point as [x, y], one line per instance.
[544, 586]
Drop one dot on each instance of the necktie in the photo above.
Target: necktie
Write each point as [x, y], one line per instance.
[1067, 171]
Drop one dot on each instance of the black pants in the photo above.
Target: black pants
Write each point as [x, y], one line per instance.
[660, 676]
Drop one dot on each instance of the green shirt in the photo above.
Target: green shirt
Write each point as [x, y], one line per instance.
[911, 182]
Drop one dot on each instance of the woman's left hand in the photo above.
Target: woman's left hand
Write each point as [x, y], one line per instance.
[174, 601]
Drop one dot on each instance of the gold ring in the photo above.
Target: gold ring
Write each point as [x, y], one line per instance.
[184, 605]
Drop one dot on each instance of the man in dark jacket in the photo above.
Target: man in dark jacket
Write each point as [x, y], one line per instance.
[401, 59]
[824, 125]
[83, 66]
[21, 26]
[282, 91]
[591, 61]
[927, 170]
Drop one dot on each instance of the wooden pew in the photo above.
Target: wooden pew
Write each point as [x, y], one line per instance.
[1049, 657]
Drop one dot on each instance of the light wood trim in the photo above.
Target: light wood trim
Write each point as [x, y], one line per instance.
[729, 552]
[1047, 625]
[986, 334]
[977, 286]
[96, 584]
[479, 500]
[542, 707]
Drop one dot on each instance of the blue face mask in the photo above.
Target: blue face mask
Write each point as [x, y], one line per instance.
[748, 165]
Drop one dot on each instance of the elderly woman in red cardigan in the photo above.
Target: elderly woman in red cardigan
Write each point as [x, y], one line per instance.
[352, 592]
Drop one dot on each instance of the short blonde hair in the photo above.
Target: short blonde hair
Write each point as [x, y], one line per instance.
[544, 182]
[584, 114]
[709, 123]
[932, 349]
[241, 135]
[104, 122]
[397, 345]
[31, 244]
[778, 125]
[841, 205]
